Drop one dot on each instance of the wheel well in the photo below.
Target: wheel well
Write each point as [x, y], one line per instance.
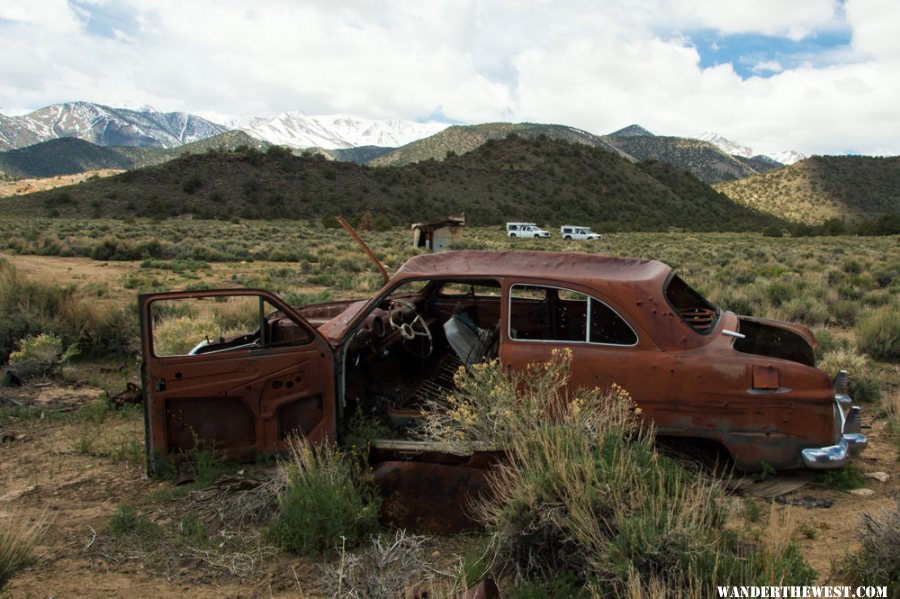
[707, 454]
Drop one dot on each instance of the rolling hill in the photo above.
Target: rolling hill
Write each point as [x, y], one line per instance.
[64, 156]
[70, 155]
[537, 179]
[703, 159]
[811, 191]
[460, 139]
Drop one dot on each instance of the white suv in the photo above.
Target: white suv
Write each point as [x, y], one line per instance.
[529, 230]
[574, 232]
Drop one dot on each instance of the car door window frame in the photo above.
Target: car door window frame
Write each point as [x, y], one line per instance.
[587, 336]
[265, 342]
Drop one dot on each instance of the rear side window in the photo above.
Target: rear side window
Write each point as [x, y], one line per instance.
[543, 313]
[692, 307]
[608, 327]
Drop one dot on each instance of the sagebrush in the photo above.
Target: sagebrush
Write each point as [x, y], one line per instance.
[585, 492]
[326, 503]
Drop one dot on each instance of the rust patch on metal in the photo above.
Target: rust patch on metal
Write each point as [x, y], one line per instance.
[765, 377]
[430, 496]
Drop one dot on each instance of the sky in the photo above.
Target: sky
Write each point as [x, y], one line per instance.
[817, 76]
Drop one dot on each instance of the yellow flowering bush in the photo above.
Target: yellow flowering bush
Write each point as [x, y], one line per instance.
[584, 492]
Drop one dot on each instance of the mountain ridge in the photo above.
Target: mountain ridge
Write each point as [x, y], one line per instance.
[104, 126]
[71, 155]
[541, 179]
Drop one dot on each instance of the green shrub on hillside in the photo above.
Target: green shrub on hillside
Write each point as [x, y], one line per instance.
[31, 308]
[192, 184]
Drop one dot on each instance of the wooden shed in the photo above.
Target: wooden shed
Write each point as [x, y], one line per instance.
[439, 235]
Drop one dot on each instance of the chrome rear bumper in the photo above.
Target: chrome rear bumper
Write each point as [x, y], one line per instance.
[852, 441]
[835, 456]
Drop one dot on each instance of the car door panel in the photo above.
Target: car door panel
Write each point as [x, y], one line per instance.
[242, 401]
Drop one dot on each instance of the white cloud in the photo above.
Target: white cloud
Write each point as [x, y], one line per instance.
[794, 20]
[768, 66]
[594, 65]
[875, 26]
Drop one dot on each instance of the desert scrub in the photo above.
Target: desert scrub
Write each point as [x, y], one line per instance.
[325, 502]
[176, 336]
[862, 379]
[40, 356]
[18, 538]
[30, 308]
[891, 407]
[878, 333]
[126, 520]
[584, 491]
[877, 562]
[844, 479]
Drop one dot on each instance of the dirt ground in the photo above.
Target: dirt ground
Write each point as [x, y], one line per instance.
[64, 468]
[23, 186]
[72, 467]
[836, 527]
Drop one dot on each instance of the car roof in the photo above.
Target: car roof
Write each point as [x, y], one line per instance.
[556, 266]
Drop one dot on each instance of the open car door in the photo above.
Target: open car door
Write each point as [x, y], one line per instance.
[236, 371]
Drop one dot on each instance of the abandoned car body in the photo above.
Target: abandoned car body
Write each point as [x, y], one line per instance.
[748, 385]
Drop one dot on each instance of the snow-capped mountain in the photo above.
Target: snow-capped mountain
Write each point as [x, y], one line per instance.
[788, 156]
[105, 126]
[336, 131]
[735, 149]
[726, 145]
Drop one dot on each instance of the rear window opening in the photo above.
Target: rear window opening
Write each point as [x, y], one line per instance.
[695, 310]
[763, 339]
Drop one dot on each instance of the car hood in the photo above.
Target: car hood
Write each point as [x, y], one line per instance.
[335, 328]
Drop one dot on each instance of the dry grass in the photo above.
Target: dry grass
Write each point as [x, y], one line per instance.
[878, 560]
[18, 540]
[891, 406]
[389, 567]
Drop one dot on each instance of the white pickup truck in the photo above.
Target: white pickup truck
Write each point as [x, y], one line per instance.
[575, 232]
[528, 230]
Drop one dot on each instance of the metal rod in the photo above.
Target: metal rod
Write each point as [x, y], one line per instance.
[365, 247]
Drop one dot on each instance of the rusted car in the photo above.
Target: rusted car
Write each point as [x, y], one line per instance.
[262, 370]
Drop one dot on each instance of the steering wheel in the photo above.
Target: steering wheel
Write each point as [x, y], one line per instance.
[417, 327]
